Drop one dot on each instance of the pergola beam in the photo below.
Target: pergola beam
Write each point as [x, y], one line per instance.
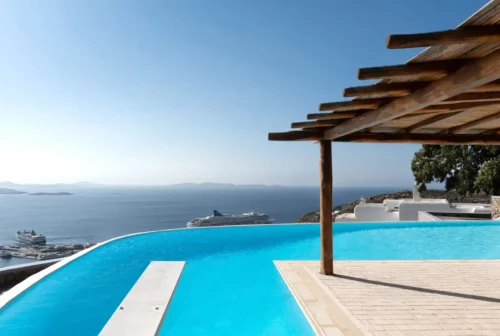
[315, 124]
[396, 89]
[424, 138]
[378, 102]
[403, 89]
[313, 135]
[349, 105]
[474, 97]
[455, 107]
[429, 121]
[411, 69]
[470, 34]
[334, 116]
[441, 108]
[472, 124]
[485, 138]
[474, 74]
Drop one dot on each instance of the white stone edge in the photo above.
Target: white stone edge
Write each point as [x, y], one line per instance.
[21, 267]
[303, 307]
[355, 323]
[130, 299]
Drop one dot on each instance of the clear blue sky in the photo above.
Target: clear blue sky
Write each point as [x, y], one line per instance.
[158, 92]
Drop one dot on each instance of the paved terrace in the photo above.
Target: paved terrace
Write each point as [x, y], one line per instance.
[385, 298]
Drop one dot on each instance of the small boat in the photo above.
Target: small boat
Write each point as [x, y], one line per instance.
[30, 237]
[5, 255]
[218, 219]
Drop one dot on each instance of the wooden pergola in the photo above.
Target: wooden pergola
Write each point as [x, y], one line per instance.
[447, 94]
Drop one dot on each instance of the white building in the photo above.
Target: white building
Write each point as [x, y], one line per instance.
[395, 210]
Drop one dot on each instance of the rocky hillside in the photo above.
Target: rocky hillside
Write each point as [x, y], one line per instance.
[451, 196]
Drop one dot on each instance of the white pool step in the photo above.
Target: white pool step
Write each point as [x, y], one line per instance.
[143, 309]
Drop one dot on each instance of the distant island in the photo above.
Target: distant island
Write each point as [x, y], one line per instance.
[187, 185]
[7, 191]
[51, 194]
[81, 184]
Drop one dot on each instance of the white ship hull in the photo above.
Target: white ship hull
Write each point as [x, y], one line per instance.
[30, 238]
[219, 219]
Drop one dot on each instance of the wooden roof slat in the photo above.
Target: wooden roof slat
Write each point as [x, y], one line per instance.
[424, 138]
[384, 88]
[461, 35]
[490, 87]
[404, 88]
[378, 102]
[474, 97]
[455, 107]
[314, 124]
[442, 108]
[404, 122]
[410, 69]
[430, 109]
[296, 135]
[429, 121]
[473, 74]
[353, 104]
[472, 124]
[333, 116]
[463, 118]
[489, 14]
[492, 131]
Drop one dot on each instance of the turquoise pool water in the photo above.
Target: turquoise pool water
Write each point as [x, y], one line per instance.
[229, 282]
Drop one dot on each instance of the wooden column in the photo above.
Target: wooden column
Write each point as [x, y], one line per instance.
[325, 214]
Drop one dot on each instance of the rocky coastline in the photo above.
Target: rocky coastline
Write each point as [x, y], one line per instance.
[451, 196]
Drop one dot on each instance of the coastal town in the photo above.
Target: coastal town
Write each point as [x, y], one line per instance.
[42, 252]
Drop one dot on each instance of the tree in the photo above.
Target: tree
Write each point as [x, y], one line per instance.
[466, 169]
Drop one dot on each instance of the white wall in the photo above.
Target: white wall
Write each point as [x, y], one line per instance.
[406, 210]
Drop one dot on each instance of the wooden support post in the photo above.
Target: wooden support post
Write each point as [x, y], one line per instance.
[325, 215]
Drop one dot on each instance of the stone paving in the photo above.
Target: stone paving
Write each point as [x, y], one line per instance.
[386, 298]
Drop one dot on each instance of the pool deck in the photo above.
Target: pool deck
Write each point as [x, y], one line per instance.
[386, 298]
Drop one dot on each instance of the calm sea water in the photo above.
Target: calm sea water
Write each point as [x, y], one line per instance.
[98, 214]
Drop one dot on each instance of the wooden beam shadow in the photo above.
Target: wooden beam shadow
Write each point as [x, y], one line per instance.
[419, 289]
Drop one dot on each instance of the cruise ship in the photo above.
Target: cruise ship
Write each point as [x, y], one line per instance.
[218, 219]
[30, 237]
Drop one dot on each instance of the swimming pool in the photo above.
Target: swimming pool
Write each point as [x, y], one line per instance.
[229, 282]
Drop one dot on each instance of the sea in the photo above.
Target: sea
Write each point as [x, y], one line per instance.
[98, 214]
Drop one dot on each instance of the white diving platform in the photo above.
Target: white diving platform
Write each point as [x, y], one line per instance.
[143, 309]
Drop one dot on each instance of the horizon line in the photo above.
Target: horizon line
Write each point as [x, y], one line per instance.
[92, 184]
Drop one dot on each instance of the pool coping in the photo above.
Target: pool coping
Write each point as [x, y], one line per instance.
[18, 289]
[325, 314]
